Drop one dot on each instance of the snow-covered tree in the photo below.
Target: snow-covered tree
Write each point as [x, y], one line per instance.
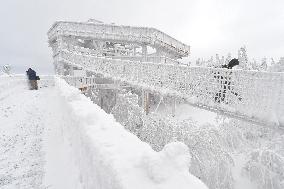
[222, 61]
[253, 65]
[243, 58]
[266, 165]
[272, 62]
[198, 62]
[263, 65]
[281, 61]
[228, 59]
[218, 62]
[280, 67]
[201, 62]
[210, 62]
[7, 69]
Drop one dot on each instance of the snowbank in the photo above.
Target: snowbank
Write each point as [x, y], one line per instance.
[108, 156]
[9, 81]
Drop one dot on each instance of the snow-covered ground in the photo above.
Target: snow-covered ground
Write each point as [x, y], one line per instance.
[32, 152]
[185, 111]
[57, 138]
[21, 155]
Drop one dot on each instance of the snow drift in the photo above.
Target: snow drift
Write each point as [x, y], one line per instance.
[108, 156]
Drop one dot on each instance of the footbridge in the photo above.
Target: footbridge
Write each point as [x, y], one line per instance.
[147, 59]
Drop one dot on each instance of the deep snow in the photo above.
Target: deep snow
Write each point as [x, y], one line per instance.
[21, 157]
[32, 149]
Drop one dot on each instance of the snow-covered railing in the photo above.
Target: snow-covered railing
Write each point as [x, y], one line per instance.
[79, 82]
[123, 33]
[156, 59]
[110, 157]
[250, 94]
[87, 51]
[82, 50]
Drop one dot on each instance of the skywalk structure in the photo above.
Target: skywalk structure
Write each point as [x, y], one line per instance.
[147, 59]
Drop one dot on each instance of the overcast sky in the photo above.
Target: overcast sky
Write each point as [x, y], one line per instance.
[208, 26]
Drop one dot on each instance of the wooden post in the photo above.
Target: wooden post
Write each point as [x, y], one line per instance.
[144, 52]
[71, 70]
[101, 102]
[145, 101]
[173, 107]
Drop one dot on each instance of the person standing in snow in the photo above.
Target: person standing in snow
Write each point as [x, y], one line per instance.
[226, 82]
[32, 79]
[231, 64]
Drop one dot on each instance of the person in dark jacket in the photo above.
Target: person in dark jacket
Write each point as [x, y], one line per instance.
[32, 79]
[231, 64]
[226, 82]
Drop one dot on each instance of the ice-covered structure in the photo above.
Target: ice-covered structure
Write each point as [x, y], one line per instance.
[114, 41]
[141, 64]
[146, 58]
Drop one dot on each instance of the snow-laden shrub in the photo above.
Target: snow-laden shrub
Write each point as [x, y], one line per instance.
[264, 157]
[6, 69]
[278, 66]
[231, 134]
[210, 162]
[250, 135]
[266, 165]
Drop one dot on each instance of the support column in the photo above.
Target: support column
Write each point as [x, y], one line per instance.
[144, 52]
[60, 68]
[173, 107]
[71, 70]
[59, 41]
[101, 102]
[159, 55]
[145, 101]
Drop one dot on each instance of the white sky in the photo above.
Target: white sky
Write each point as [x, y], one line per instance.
[208, 26]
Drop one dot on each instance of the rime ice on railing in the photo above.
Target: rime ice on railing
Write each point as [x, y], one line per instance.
[247, 93]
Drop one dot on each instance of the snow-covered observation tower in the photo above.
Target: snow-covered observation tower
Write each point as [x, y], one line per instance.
[116, 42]
[115, 57]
